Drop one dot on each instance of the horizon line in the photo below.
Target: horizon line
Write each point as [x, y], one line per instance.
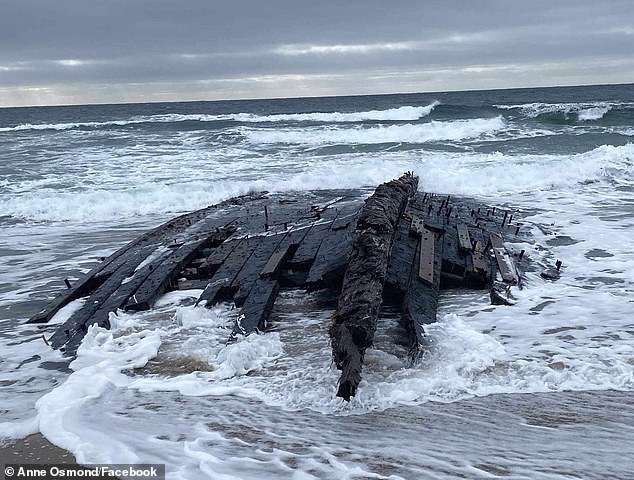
[273, 98]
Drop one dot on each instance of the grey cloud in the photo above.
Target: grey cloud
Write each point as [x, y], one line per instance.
[72, 42]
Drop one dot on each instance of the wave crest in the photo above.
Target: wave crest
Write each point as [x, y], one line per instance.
[458, 173]
[585, 111]
[409, 133]
[405, 113]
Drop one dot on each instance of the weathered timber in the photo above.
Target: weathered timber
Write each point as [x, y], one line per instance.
[284, 252]
[502, 262]
[401, 263]
[324, 216]
[104, 295]
[399, 248]
[257, 308]
[505, 264]
[161, 277]
[217, 257]
[276, 260]
[421, 298]
[426, 255]
[358, 306]
[305, 254]
[91, 280]
[464, 238]
[218, 286]
[332, 256]
[249, 273]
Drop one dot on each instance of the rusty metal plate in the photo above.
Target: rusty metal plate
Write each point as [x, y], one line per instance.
[427, 249]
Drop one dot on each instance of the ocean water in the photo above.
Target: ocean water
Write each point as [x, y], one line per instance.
[540, 390]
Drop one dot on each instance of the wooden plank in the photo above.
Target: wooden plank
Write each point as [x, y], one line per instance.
[284, 215]
[284, 251]
[464, 238]
[479, 261]
[421, 298]
[91, 280]
[319, 208]
[98, 298]
[333, 252]
[505, 263]
[257, 308]
[496, 241]
[419, 309]
[162, 275]
[216, 258]
[275, 261]
[404, 250]
[112, 303]
[249, 273]
[453, 262]
[506, 266]
[305, 254]
[427, 256]
[223, 277]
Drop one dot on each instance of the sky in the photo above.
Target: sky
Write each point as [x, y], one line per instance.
[113, 51]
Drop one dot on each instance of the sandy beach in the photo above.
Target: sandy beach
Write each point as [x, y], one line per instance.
[34, 449]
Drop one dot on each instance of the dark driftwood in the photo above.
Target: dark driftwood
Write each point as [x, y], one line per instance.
[354, 321]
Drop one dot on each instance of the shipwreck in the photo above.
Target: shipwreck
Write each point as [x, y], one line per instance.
[397, 246]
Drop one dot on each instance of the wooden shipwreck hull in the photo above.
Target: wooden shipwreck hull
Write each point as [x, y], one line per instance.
[398, 247]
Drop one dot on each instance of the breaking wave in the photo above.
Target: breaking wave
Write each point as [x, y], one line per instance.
[585, 111]
[406, 113]
[409, 133]
[459, 173]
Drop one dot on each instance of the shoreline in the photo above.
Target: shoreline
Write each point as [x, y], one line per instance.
[34, 449]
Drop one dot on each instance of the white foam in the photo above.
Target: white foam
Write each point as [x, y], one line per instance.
[466, 173]
[593, 113]
[101, 360]
[69, 125]
[246, 355]
[17, 430]
[409, 133]
[133, 201]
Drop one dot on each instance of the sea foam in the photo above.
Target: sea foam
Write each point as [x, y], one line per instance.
[409, 133]
[460, 173]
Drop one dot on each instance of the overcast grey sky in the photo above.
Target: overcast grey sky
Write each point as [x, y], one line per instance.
[83, 51]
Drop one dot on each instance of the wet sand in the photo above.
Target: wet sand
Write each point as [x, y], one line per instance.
[34, 449]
